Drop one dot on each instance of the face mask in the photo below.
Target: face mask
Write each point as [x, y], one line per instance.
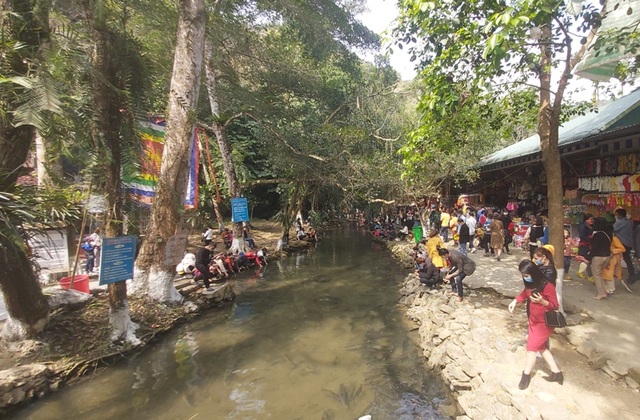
[538, 261]
[528, 279]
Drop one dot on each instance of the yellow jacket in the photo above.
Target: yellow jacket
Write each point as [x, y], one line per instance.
[432, 251]
[612, 267]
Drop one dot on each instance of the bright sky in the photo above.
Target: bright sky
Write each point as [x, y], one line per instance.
[380, 14]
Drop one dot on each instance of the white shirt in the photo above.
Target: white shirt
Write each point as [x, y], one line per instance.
[471, 222]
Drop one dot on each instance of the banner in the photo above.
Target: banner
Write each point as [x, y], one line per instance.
[141, 186]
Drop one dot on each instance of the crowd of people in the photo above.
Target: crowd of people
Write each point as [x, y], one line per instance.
[209, 267]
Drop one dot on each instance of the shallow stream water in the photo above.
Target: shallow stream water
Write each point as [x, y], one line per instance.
[314, 336]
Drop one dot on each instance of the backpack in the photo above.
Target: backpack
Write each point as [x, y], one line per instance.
[469, 266]
[87, 247]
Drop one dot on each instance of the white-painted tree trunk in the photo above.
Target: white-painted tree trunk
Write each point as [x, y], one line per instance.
[122, 328]
[14, 330]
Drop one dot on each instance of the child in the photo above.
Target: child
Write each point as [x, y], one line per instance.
[567, 254]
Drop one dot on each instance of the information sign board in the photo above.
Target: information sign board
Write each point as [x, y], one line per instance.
[117, 258]
[239, 209]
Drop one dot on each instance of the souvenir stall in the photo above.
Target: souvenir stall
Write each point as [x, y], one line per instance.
[607, 184]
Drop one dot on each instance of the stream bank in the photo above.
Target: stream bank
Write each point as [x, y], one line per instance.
[76, 341]
[479, 349]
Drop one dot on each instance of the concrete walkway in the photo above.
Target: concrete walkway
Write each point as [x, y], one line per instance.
[603, 331]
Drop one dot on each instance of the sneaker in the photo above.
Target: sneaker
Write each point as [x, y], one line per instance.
[582, 274]
[567, 277]
[591, 279]
[473, 250]
[626, 286]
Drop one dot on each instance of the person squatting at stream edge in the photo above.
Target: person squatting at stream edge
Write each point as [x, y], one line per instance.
[459, 267]
[540, 296]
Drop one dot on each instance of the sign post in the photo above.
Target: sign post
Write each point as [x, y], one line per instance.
[239, 209]
[116, 262]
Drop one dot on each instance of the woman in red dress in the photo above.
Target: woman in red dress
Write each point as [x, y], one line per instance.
[540, 296]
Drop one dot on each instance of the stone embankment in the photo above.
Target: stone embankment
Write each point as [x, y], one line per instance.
[479, 348]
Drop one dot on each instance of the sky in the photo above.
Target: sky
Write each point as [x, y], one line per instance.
[378, 17]
[381, 14]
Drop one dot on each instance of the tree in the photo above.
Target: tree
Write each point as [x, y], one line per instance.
[24, 26]
[470, 47]
[153, 276]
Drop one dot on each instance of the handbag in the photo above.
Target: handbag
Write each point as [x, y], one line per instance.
[555, 319]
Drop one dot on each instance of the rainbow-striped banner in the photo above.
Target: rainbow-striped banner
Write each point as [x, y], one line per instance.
[141, 186]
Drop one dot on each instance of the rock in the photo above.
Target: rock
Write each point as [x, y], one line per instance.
[611, 373]
[190, 307]
[446, 309]
[67, 297]
[631, 383]
[545, 397]
[573, 319]
[444, 333]
[634, 374]
[617, 368]
[597, 361]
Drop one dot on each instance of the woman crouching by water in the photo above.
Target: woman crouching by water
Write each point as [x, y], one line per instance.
[540, 296]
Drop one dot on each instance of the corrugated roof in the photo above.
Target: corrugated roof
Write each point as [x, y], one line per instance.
[575, 130]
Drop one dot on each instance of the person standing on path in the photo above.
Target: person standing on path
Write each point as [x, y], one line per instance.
[471, 222]
[445, 218]
[585, 230]
[497, 235]
[203, 259]
[541, 297]
[534, 234]
[463, 236]
[623, 228]
[598, 254]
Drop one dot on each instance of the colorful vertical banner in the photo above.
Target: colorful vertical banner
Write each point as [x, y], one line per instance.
[142, 185]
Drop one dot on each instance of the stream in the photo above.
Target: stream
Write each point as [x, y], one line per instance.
[314, 336]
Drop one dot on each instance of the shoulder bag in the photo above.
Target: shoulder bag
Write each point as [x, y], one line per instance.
[555, 319]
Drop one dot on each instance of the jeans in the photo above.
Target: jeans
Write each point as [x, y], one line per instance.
[91, 258]
[626, 256]
[456, 284]
[444, 231]
[462, 246]
[567, 264]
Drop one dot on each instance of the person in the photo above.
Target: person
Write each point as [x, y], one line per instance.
[612, 268]
[403, 233]
[445, 218]
[433, 243]
[543, 258]
[96, 241]
[88, 249]
[623, 229]
[471, 222]
[262, 257]
[247, 237]
[567, 253]
[434, 218]
[428, 273]
[457, 270]
[598, 254]
[187, 264]
[534, 233]
[203, 259]
[463, 236]
[208, 235]
[497, 235]
[540, 297]
[585, 230]
[227, 237]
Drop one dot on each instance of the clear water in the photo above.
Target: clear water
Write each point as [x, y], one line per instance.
[316, 336]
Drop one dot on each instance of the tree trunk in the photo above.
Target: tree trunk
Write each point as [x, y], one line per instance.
[108, 104]
[48, 170]
[209, 179]
[27, 307]
[220, 132]
[153, 277]
[548, 124]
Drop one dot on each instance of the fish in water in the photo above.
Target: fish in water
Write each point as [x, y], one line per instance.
[328, 299]
[346, 394]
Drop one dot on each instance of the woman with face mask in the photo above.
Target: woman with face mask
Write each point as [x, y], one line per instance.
[540, 296]
[543, 258]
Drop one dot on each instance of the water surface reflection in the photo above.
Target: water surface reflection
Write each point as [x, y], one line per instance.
[316, 336]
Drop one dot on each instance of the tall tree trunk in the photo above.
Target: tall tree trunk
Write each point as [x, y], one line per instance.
[105, 132]
[548, 125]
[48, 170]
[220, 132]
[153, 276]
[28, 308]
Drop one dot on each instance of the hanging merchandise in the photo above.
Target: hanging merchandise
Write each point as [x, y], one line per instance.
[603, 204]
[621, 183]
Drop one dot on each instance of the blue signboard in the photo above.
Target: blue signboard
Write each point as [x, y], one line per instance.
[116, 259]
[239, 209]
